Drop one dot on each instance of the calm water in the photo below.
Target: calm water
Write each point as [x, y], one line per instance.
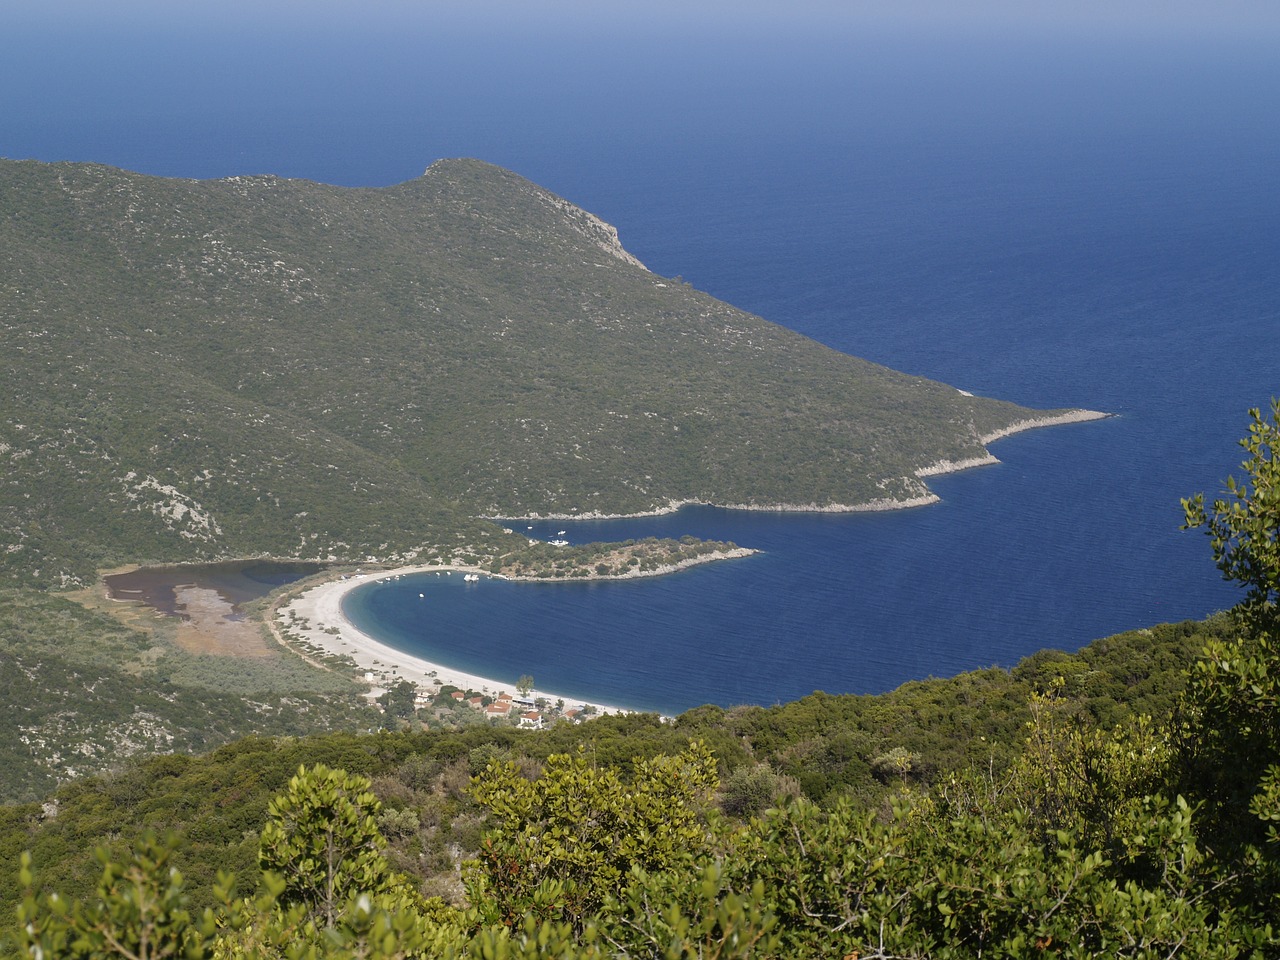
[237, 582]
[1068, 220]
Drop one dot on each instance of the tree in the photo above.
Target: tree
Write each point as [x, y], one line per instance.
[322, 838]
[959, 872]
[1228, 737]
[751, 788]
[400, 700]
[140, 912]
[562, 843]
[524, 684]
[1244, 525]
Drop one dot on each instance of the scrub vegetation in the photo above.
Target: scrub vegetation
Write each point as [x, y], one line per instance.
[1118, 802]
[82, 693]
[209, 369]
[197, 370]
[543, 561]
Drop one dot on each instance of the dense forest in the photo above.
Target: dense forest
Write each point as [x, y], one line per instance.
[1119, 802]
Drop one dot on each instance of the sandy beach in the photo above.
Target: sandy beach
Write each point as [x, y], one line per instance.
[316, 616]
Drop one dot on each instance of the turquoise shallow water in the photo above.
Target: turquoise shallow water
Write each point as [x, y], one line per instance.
[1059, 221]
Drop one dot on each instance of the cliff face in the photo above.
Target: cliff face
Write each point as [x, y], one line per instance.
[196, 369]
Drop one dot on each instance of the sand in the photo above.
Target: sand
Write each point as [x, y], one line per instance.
[320, 610]
[317, 613]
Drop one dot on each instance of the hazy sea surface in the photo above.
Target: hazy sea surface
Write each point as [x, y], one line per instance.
[1059, 221]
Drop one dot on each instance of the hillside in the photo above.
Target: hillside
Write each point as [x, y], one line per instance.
[1024, 814]
[823, 747]
[203, 369]
[83, 692]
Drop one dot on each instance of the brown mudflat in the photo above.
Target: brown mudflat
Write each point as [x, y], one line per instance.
[206, 600]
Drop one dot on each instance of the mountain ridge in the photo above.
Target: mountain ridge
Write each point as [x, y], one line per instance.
[253, 365]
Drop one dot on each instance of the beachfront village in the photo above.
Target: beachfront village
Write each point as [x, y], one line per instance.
[417, 695]
[446, 707]
[412, 691]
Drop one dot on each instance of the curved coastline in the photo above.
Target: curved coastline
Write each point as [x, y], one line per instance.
[1035, 423]
[317, 616]
[317, 613]
[924, 498]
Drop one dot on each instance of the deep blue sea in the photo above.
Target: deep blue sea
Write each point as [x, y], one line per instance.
[1059, 218]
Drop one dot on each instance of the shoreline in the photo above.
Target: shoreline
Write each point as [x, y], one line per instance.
[1035, 423]
[319, 607]
[923, 499]
[317, 616]
[736, 553]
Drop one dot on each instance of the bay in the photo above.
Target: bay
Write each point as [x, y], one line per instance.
[1085, 220]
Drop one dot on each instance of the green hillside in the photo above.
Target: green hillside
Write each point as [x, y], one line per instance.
[1033, 813]
[82, 693]
[195, 370]
[206, 369]
[822, 747]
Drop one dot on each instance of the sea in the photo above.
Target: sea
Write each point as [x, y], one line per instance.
[1062, 214]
